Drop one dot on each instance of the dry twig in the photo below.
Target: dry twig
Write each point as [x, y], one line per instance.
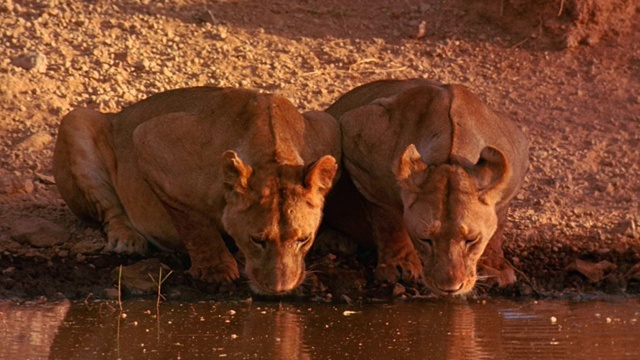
[561, 8]
[159, 285]
[120, 288]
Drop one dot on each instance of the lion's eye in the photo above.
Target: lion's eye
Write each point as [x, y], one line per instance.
[302, 242]
[427, 242]
[259, 242]
[472, 241]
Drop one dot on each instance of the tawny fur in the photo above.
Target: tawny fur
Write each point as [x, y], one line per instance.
[184, 167]
[435, 170]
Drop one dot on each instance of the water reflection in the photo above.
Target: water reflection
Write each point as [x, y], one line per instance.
[433, 330]
[27, 331]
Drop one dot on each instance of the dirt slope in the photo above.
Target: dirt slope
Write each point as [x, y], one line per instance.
[579, 106]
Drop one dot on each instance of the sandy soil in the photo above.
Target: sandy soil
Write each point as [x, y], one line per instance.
[574, 227]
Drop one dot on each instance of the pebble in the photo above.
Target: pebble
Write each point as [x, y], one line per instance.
[31, 61]
[6, 6]
[12, 184]
[35, 142]
[398, 290]
[87, 246]
[111, 293]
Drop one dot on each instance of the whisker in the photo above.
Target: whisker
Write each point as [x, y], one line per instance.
[313, 267]
[312, 272]
[306, 280]
[479, 288]
[485, 277]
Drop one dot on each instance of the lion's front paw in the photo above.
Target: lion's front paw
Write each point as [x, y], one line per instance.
[124, 240]
[225, 272]
[407, 268]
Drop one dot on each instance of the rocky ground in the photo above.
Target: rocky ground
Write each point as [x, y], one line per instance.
[574, 227]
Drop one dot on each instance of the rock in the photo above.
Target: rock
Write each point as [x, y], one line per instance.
[35, 142]
[422, 30]
[136, 278]
[38, 232]
[28, 186]
[10, 184]
[398, 290]
[31, 61]
[142, 65]
[9, 246]
[627, 227]
[45, 179]
[622, 246]
[6, 6]
[58, 106]
[207, 16]
[111, 293]
[633, 273]
[592, 271]
[525, 289]
[87, 247]
[614, 284]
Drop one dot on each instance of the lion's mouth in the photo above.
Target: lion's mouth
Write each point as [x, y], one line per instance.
[280, 287]
[462, 288]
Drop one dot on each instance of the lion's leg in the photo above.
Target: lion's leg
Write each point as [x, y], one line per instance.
[492, 265]
[397, 258]
[83, 165]
[211, 261]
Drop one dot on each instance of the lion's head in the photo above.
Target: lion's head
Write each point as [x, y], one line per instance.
[273, 212]
[450, 214]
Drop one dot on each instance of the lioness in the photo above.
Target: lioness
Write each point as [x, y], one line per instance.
[183, 167]
[437, 170]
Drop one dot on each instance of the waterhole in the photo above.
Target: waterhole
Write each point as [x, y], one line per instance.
[491, 329]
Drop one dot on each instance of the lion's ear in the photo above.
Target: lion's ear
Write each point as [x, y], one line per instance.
[410, 169]
[321, 173]
[235, 172]
[491, 173]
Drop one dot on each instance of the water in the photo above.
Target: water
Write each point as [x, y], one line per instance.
[495, 329]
